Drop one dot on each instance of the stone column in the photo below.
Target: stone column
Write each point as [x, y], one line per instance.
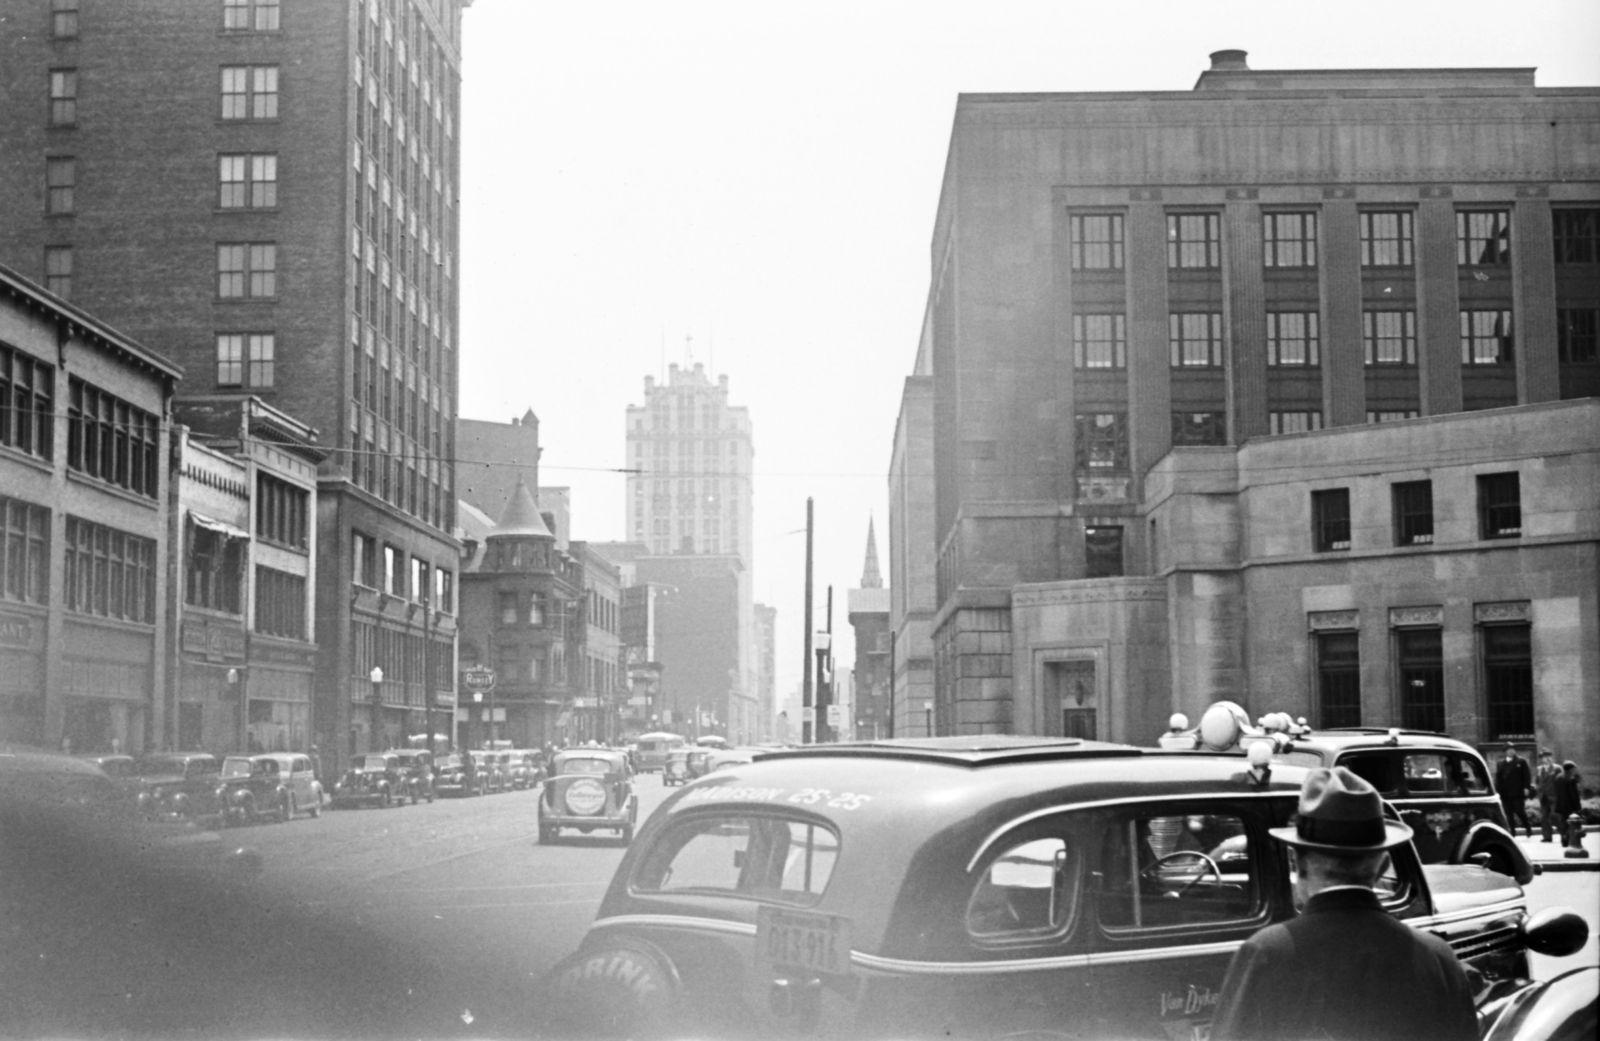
[1438, 305]
[1149, 370]
[1344, 377]
[1245, 319]
[1533, 296]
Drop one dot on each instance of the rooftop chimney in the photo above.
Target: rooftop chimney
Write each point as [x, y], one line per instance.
[1229, 61]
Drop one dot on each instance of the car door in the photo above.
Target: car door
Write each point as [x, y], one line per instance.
[1177, 887]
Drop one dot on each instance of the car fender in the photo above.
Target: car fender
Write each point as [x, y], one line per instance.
[1489, 837]
[1562, 1009]
[614, 986]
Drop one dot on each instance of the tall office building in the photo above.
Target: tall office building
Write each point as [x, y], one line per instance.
[690, 505]
[1280, 389]
[268, 191]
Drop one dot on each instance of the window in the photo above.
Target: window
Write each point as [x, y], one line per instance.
[1386, 239]
[1338, 679]
[1413, 513]
[394, 572]
[1483, 237]
[421, 581]
[1392, 415]
[58, 270]
[1330, 519]
[241, 16]
[536, 609]
[246, 181]
[25, 556]
[1194, 240]
[1102, 552]
[108, 573]
[1099, 341]
[282, 512]
[1499, 506]
[246, 360]
[1102, 441]
[247, 269]
[1291, 239]
[1576, 333]
[1577, 236]
[61, 181]
[1485, 337]
[1390, 337]
[1292, 338]
[63, 19]
[63, 97]
[111, 440]
[27, 404]
[249, 92]
[280, 603]
[213, 568]
[1508, 679]
[1186, 867]
[1196, 340]
[1293, 422]
[1419, 654]
[1029, 890]
[363, 560]
[1096, 241]
[444, 596]
[508, 608]
[1199, 428]
[755, 856]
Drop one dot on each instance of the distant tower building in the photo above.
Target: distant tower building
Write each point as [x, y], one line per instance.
[869, 619]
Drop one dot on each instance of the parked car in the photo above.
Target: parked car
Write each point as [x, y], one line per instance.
[675, 770]
[1440, 786]
[377, 779]
[123, 770]
[251, 790]
[495, 768]
[653, 750]
[527, 768]
[456, 773]
[297, 781]
[416, 765]
[588, 789]
[984, 886]
[180, 785]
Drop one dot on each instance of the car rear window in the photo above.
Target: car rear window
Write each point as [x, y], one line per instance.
[760, 857]
[586, 766]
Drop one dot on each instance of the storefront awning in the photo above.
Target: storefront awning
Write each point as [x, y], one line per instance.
[220, 527]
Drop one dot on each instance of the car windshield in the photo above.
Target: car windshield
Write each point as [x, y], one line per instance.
[451, 760]
[374, 762]
[586, 765]
[236, 767]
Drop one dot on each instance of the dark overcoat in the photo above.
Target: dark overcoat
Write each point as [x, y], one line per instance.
[1345, 970]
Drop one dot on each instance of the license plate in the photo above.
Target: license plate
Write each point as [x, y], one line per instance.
[803, 940]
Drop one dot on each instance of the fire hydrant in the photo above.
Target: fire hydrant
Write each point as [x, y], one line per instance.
[1574, 845]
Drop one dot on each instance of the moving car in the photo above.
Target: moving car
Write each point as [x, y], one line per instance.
[273, 784]
[675, 770]
[985, 886]
[588, 789]
[179, 786]
[527, 768]
[653, 749]
[416, 768]
[456, 773]
[378, 779]
[1440, 786]
[695, 764]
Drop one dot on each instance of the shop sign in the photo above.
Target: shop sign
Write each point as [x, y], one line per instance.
[16, 630]
[213, 641]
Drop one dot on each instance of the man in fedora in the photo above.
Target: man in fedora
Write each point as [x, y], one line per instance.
[1345, 968]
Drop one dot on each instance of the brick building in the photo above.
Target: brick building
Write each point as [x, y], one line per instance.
[1278, 389]
[269, 191]
[867, 609]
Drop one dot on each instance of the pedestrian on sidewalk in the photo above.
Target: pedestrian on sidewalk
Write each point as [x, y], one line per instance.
[1568, 799]
[1514, 781]
[1544, 782]
[1344, 968]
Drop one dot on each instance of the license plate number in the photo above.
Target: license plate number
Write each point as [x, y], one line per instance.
[803, 940]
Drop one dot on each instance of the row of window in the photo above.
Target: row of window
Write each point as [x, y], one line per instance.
[1499, 512]
[1505, 661]
[237, 16]
[1289, 239]
[387, 571]
[109, 573]
[1196, 340]
[405, 658]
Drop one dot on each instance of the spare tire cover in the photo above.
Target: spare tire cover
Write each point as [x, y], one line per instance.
[619, 990]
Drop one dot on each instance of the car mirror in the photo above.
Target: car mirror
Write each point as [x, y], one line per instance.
[1556, 932]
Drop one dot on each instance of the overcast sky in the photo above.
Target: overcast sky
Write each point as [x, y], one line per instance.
[763, 177]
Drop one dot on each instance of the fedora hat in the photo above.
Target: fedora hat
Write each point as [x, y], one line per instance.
[1341, 813]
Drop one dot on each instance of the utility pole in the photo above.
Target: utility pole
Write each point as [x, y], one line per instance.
[808, 712]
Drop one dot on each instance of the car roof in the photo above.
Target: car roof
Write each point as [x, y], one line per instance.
[971, 750]
[612, 754]
[1342, 739]
[24, 759]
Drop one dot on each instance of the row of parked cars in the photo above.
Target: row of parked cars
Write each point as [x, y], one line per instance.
[234, 789]
[391, 778]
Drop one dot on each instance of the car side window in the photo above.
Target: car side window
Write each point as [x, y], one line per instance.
[1376, 768]
[1471, 774]
[1168, 870]
[1429, 774]
[1029, 890]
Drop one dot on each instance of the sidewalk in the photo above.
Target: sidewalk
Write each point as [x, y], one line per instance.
[1550, 856]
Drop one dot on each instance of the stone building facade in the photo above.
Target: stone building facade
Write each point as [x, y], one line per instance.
[1368, 291]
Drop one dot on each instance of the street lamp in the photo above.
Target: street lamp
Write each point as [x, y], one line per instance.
[927, 709]
[235, 691]
[376, 676]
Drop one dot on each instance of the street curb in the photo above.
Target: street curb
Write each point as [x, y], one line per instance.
[1547, 867]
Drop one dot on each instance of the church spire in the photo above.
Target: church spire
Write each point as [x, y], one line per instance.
[870, 577]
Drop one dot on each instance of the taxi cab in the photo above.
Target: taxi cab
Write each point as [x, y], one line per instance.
[985, 886]
[1440, 786]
